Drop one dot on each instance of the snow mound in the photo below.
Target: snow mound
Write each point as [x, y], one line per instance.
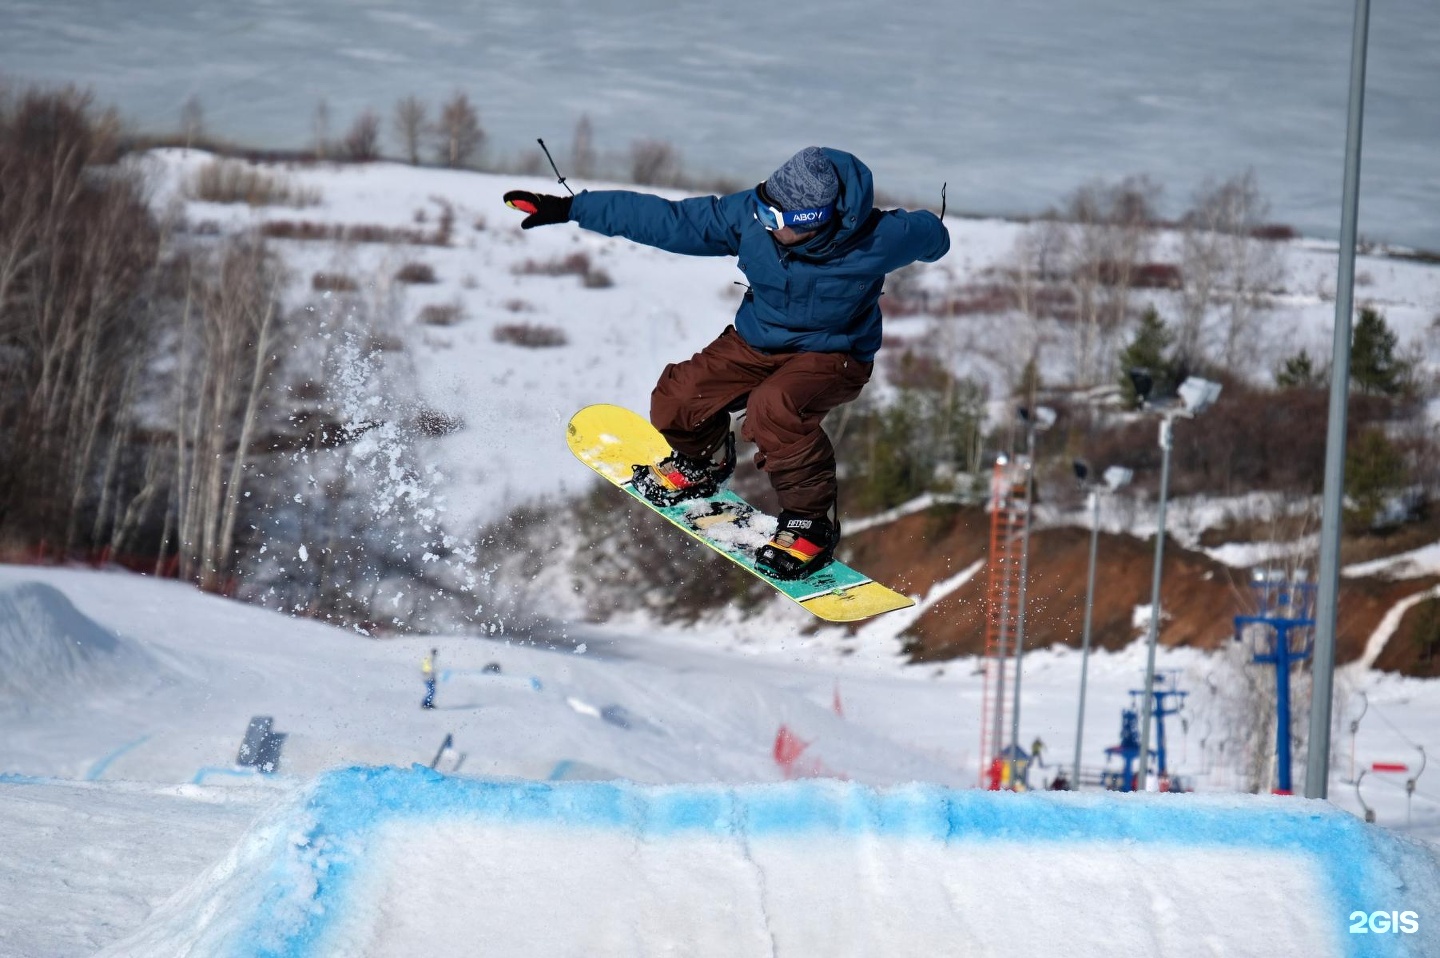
[47, 644]
[384, 861]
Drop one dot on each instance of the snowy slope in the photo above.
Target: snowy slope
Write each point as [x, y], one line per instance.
[697, 720]
[124, 700]
[375, 862]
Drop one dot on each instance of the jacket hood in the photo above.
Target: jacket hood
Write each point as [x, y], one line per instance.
[852, 208]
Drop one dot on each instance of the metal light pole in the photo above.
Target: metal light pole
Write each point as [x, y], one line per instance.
[1317, 768]
[1194, 396]
[1042, 418]
[1167, 430]
[1115, 477]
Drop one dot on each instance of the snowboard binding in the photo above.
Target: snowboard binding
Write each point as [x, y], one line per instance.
[679, 478]
[799, 548]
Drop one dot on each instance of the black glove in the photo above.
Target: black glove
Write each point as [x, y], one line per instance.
[543, 209]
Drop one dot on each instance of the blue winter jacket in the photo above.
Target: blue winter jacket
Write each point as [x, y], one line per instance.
[822, 295]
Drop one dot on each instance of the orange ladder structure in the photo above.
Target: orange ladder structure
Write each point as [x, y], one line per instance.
[1009, 512]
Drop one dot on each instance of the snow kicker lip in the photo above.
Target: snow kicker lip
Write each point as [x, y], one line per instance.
[330, 841]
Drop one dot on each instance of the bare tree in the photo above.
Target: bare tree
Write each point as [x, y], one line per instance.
[77, 257]
[1100, 238]
[320, 129]
[1225, 266]
[654, 162]
[224, 380]
[1028, 272]
[459, 136]
[582, 148]
[411, 124]
[192, 121]
[362, 142]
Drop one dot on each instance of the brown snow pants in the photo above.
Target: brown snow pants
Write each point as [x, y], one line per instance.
[788, 395]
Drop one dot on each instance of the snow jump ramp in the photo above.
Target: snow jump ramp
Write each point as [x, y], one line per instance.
[387, 861]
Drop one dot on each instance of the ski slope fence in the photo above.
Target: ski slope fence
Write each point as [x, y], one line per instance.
[389, 861]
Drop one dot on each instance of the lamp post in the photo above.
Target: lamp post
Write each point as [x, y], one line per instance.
[1194, 396]
[1043, 417]
[1115, 477]
[1322, 669]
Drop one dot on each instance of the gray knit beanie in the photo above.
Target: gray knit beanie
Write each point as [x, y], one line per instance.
[806, 181]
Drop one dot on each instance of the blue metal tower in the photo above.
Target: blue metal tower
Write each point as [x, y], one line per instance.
[1128, 751]
[1282, 632]
[1168, 700]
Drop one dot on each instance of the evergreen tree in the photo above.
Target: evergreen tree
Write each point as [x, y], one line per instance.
[1374, 471]
[1297, 372]
[1148, 351]
[1374, 367]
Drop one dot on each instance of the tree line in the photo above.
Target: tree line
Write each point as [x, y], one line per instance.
[134, 372]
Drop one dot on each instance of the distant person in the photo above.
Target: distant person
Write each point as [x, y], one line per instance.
[815, 253]
[1036, 748]
[1060, 783]
[427, 671]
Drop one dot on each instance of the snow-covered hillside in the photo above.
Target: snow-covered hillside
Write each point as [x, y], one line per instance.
[629, 789]
[656, 308]
[123, 805]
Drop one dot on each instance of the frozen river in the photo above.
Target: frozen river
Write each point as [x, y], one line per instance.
[1014, 104]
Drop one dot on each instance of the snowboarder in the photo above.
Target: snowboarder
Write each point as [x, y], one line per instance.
[1036, 747]
[816, 253]
[427, 671]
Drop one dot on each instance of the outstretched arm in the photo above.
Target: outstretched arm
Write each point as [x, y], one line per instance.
[700, 226]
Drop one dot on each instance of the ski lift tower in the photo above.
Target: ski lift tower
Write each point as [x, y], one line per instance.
[1280, 633]
[1169, 700]
[1009, 513]
[1128, 751]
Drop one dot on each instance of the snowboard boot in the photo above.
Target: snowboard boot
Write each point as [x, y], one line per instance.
[678, 478]
[801, 546]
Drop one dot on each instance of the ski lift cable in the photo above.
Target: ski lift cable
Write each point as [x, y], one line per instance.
[1396, 729]
[1432, 799]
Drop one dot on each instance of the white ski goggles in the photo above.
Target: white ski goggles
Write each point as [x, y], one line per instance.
[773, 218]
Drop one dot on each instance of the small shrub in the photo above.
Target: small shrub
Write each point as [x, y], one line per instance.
[333, 282]
[530, 335]
[352, 233]
[576, 264]
[1274, 231]
[362, 142]
[416, 273]
[521, 306]
[654, 162]
[441, 314]
[232, 181]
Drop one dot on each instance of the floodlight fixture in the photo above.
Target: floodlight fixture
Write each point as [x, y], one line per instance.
[1117, 476]
[1197, 394]
[1143, 382]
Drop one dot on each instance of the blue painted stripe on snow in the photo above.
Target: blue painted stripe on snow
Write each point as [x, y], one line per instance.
[1358, 862]
[98, 769]
[208, 770]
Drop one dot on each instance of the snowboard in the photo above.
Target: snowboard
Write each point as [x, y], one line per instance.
[613, 440]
